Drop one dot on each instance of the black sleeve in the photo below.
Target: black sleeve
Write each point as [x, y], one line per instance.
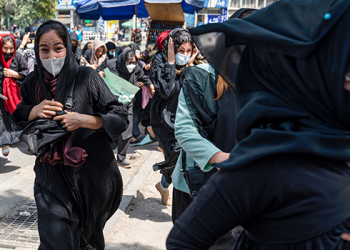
[227, 200]
[21, 114]
[102, 66]
[106, 105]
[141, 77]
[87, 55]
[22, 67]
[163, 76]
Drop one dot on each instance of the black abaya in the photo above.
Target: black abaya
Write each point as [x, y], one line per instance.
[74, 203]
[7, 135]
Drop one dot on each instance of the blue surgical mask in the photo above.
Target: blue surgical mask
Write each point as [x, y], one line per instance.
[181, 59]
[111, 53]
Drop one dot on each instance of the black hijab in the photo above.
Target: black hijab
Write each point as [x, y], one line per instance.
[121, 64]
[68, 72]
[85, 47]
[134, 47]
[110, 46]
[290, 79]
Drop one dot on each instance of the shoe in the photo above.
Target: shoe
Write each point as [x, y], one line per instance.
[166, 199]
[6, 151]
[139, 139]
[123, 164]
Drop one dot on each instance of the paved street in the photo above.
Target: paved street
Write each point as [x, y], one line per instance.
[140, 223]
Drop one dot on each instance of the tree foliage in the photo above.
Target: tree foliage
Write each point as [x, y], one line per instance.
[25, 11]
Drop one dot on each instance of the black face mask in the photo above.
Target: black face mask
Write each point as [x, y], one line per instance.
[74, 48]
[8, 56]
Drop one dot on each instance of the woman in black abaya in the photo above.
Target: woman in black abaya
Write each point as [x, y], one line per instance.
[125, 66]
[178, 53]
[78, 186]
[13, 71]
[293, 130]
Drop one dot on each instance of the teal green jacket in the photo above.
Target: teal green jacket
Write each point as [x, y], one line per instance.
[198, 149]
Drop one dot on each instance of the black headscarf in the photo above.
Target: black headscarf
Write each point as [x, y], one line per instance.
[67, 74]
[74, 36]
[85, 47]
[134, 47]
[290, 79]
[110, 46]
[121, 64]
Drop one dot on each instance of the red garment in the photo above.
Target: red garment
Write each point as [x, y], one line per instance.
[10, 88]
[162, 36]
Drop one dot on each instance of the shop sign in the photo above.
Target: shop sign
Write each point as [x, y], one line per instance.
[214, 18]
[223, 14]
[219, 3]
[66, 4]
[189, 19]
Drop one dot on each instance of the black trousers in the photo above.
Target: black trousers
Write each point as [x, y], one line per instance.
[123, 146]
[181, 201]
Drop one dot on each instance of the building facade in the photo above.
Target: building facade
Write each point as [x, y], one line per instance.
[213, 12]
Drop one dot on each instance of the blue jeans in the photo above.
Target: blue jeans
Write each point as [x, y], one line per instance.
[164, 183]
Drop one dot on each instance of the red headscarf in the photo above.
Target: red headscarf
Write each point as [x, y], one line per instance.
[10, 87]
[162, 36]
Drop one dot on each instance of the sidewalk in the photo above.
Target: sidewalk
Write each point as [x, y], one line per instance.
[16, 193]
[146, 223]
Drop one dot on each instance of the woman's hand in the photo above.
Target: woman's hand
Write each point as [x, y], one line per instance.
[72, 121]
[12, 73]
[92, 66]
[101, 73]
[153, 90]
[193, 56]
[45, 109]
[219, 157]
[171, 51]
[140, 84]
[25, 40]
[345, 236]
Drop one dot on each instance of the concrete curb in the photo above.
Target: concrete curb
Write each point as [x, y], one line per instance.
[131, 189]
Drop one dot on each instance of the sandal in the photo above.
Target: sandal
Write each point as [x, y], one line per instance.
[6, 151]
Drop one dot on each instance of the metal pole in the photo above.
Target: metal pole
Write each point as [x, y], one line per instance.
[135, 23]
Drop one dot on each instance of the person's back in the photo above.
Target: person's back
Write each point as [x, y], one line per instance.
[273, 200]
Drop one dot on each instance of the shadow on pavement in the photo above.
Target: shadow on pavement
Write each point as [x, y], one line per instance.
[147, 209]
[7, 169]
[135, 246]
[9, 200]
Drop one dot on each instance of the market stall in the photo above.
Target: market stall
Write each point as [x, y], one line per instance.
[164, 17]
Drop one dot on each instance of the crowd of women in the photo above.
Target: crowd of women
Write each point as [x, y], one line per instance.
[252, 116]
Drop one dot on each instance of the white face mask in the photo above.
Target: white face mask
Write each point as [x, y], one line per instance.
[53, 66]
[130, 67]
[181, 59]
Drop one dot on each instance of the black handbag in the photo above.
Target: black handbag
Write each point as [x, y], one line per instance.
[194, 176]
[42, 134]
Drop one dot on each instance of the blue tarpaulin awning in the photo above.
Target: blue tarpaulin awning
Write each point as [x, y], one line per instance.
[125, 9]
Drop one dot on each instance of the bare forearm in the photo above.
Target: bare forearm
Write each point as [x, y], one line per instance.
[18, 76]
[92, 122]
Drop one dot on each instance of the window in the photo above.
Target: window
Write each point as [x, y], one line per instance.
[235, 3]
